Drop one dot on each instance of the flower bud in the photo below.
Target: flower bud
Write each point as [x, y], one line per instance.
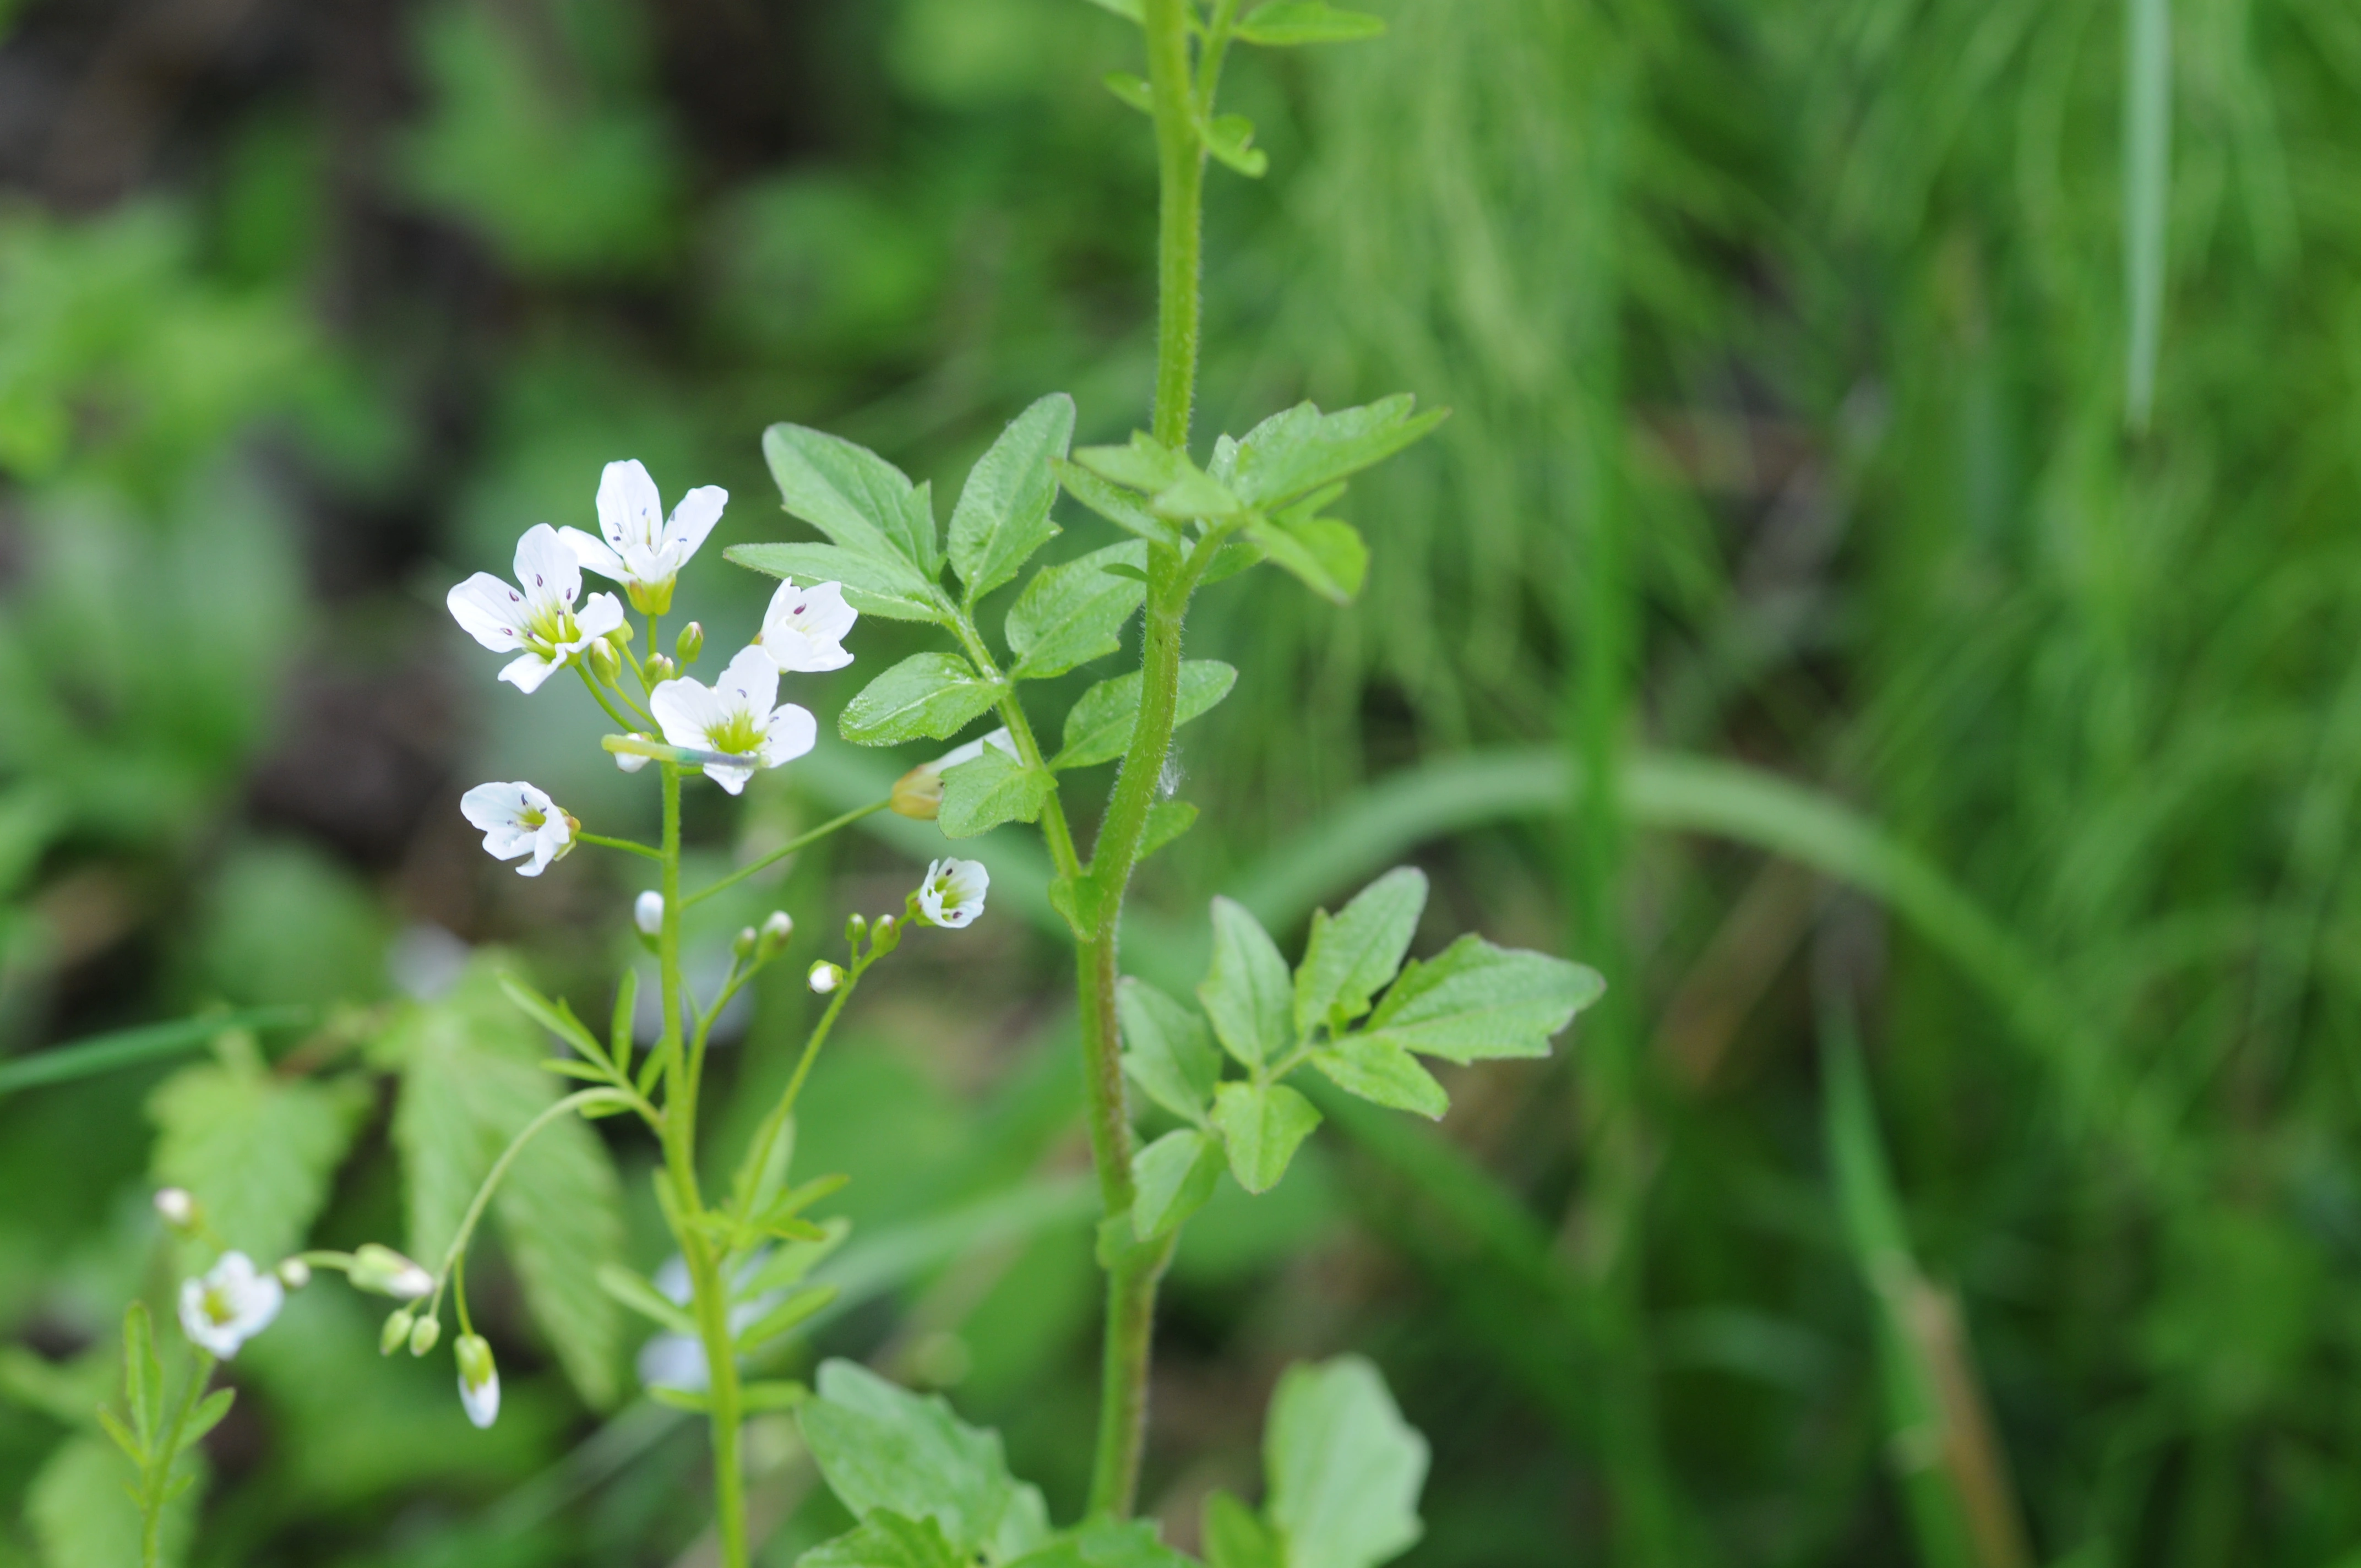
[777, 926]
[687, 646]
[423, 1337]
[826, 977]
[178, 1209]
[632, 762]
[743, 943]
[294, 1273]
[660, 668]
[623, 633]
[387, 1273]
[395, 1332]
[605, 663]
[886, 936]
[855, 926]
[479, 1379]
[918, 793]
[647, 912]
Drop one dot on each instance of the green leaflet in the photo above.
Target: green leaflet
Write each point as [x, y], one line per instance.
[1099, 725]
[1175, 1175]
[926, 697]
[853, 496]
[470, 1080]
[1326, 555]
[881, 585]
[884, 1448]
[1383, 1073]
[1236, 1537]
[886, 1540]
[1105, 1543]
[1350, 957]
[259, 1151]
[1344, 1469]
[1285, 23]
[1167, 821]
[989, 789]
[1166, 1051]
[1262, 1125]
[1002, 515]
[1246, 991]
[1301, 449]
[1176, 487]
[1073, 612]
[1474, 1000]
[1230, 138]
[1115, 504]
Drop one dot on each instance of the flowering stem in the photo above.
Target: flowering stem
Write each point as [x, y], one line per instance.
[800, 841]
[155, 1485]
[759, 1155]
[1055, 830]
[459, 1247]
[1134, 1269]
[625, 845]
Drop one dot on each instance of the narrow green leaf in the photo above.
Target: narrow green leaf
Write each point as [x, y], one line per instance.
[1230, 138]
[2147, 196]
[633, 1290]
[1473, 1000]
[1130, 89]
[787, 1315]
[1236, 1537]
[1167, 1049]
[127, 1047]
[555, 1017]
[884, 586]
[207, 1416]
[788, 1265]
[566, 1066]
[1175, 1175]
[926, 695]
[1176, 486]
[1262, 1124]
[989, 789]
[772, 1394]
[1128, 9]
[887, 1540]
[111, 1425]
[1349, 959]
[1344, 1469]
[1099, 725]
[1246, 991]
[1167, 821]
[75, 1512]
[618, 1028]
[1073, 612]
[143, 1377]
[693, 1400]
[884, 1448]
[259, 1151]
[1302, 449]
[1116, 504]
[1002, 515]
[1383, 1073]
[1285, 23]
[853, 496]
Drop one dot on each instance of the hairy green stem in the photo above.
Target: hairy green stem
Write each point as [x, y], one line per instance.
[158, 1480]
[1134, 1269]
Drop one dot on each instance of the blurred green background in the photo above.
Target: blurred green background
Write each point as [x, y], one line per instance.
[1890, 595]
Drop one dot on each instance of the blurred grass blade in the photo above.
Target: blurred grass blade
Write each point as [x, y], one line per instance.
[1939, 1435]
[2147, 189]
[128, 1047]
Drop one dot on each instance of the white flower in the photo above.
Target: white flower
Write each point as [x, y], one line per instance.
[516, 819]
[952, 895]
[642, 550]
[230, 1305]
[825, 976]
[377, 1267]
[647, 912]
[633, 761]
[178, 1209]
[535, 618]
[734, 716]
[479, 1379]
[803, 631]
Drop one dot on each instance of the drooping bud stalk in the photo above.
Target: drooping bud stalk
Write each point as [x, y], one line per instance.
[918, 793]
[826, 977]
[479, 1379]
[387, 1273]
[396, 1333]
[294, 1273]
[689, 644]
[777, 926]
[423, 1337]
[177, 1208]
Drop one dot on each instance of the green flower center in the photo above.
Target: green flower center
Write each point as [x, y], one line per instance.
[218, 1307]
[735, 734]
[532, 816]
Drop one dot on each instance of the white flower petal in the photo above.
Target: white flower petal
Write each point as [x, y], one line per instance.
[789, 733]
[594, 556]
[630, 513]
[687, 710]
[751, 684]
[231, 1304]
[527, 671]
[803, 628]
[602, 614]
[546, 570]
[693, 519]
[732, 779]
[482, 1402]
[491, 611]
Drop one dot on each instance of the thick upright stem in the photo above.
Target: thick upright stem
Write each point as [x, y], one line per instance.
[1134, 1270]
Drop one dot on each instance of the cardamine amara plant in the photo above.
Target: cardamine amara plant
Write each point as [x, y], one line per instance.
[1214, 1072]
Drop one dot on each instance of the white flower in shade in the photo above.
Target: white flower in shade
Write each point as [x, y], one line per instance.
[647, 911]
[803, 631]
[230, 1305]
[534, 618]
[479, 1379]
[952, 895]
[735, 717]
[518, 819]
[641, 550]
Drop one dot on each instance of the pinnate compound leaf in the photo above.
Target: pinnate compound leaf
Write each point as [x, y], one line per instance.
[1115, 504]
[470, 1081]
[1383, 1073]
[1236, 1537]
[1301, 449]
[884, 1448]
[1175, 1175]
[926, 697]
[1230, 138]
[1344, 1469]
[1246, 991]
[1285, 23]
[1073, 612]
[1002, 515]
[1104, 1544]
[1474, 1000]
[1262, 1125]
[1099, 725]
[887, 1540]
[853, 496]
[884, 586]
[990, 789]
[259, 1151]
[1352, 954]
[1166, 1050]
[79, 1518]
